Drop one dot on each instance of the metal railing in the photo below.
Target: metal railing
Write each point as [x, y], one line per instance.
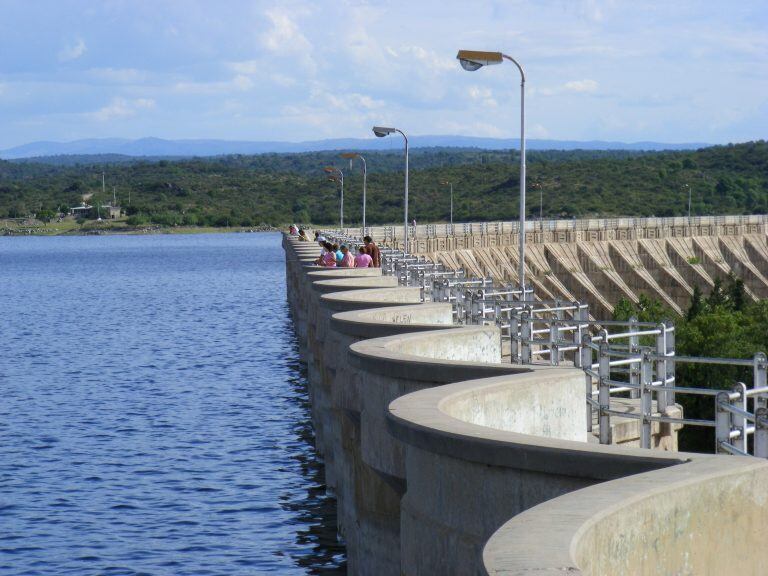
[627, 360]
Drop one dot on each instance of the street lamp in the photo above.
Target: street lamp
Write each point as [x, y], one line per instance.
[337, 175]
[351, 156]
[451, 185]
[472, 60]
[381, 131]
[689, 203]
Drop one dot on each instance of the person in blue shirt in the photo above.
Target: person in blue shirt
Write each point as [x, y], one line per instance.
[339, 255]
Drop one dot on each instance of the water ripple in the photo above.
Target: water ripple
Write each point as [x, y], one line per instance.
[154, 416]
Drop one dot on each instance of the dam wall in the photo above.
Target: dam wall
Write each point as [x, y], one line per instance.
[599, 261]
[444, 460]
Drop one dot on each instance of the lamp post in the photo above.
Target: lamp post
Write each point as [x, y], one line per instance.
[451, 185]
[472, 60]
[351, 156]
[689, 203]
[381, 131]
[337, 175]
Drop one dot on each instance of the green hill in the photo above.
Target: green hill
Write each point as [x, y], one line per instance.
[280, 188]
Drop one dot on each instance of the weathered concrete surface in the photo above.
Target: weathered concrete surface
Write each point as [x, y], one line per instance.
[432, 445]
[485, 463]
[705, 517]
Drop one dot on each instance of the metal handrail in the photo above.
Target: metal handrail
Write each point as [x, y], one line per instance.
[568, 329]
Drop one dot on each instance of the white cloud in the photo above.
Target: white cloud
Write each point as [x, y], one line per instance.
[121, 108]
[258, 70]
[72, 51]
[285, 38]
[483, 96]
[585, 86]
[425, 57]
[238, 83]
[242, 82]
[119, 75]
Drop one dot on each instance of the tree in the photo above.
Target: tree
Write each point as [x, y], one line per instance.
[697, 304]
[737, 296]
[717, 297]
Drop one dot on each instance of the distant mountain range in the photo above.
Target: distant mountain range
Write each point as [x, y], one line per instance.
[158, 147]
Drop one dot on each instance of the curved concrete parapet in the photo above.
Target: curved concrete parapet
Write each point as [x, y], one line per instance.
[518, 440]
[387, 368]
[446, 461]
[356, 282]
[704, 517]
[362, 299]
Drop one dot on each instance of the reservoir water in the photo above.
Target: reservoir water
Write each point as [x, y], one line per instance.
[153, 412]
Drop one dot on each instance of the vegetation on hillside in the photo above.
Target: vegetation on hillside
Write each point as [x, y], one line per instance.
[281, 188]
[725, 324]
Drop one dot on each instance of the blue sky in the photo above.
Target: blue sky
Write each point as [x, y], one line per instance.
[668, 71]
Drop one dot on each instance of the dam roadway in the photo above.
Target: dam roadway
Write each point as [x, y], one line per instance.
[445, 460]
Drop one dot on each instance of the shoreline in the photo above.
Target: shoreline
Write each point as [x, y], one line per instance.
[125, 231]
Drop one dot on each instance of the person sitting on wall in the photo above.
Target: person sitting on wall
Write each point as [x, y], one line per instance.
[293, 230]
[363, 260]
[303, 236]
[373, 251]
[339, 255]
[321, 242]
[347, 260]
[329, 258]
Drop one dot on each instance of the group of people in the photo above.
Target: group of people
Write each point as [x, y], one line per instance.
[333, 255]
[367, 256]
[296, 231]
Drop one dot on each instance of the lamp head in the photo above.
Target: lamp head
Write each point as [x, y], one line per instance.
[381, 131]
[472, 60]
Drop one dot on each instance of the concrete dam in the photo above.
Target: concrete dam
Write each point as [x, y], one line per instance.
[600, 261]
[452, 450]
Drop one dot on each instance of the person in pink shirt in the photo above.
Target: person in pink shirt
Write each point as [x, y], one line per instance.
[329, 258]
[347, 260]
[363, 260]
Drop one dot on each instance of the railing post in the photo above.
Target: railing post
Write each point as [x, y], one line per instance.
[559, 315]
[577, 335]
[634, 368]
[515, 336]
[761, 432]
[646, 399]
[722, 422]
[760, 380]
[661, 366]
[554, 337]
[738, 422]
[525, 337]
[604, 393]
[671, 365]
[586, 364]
